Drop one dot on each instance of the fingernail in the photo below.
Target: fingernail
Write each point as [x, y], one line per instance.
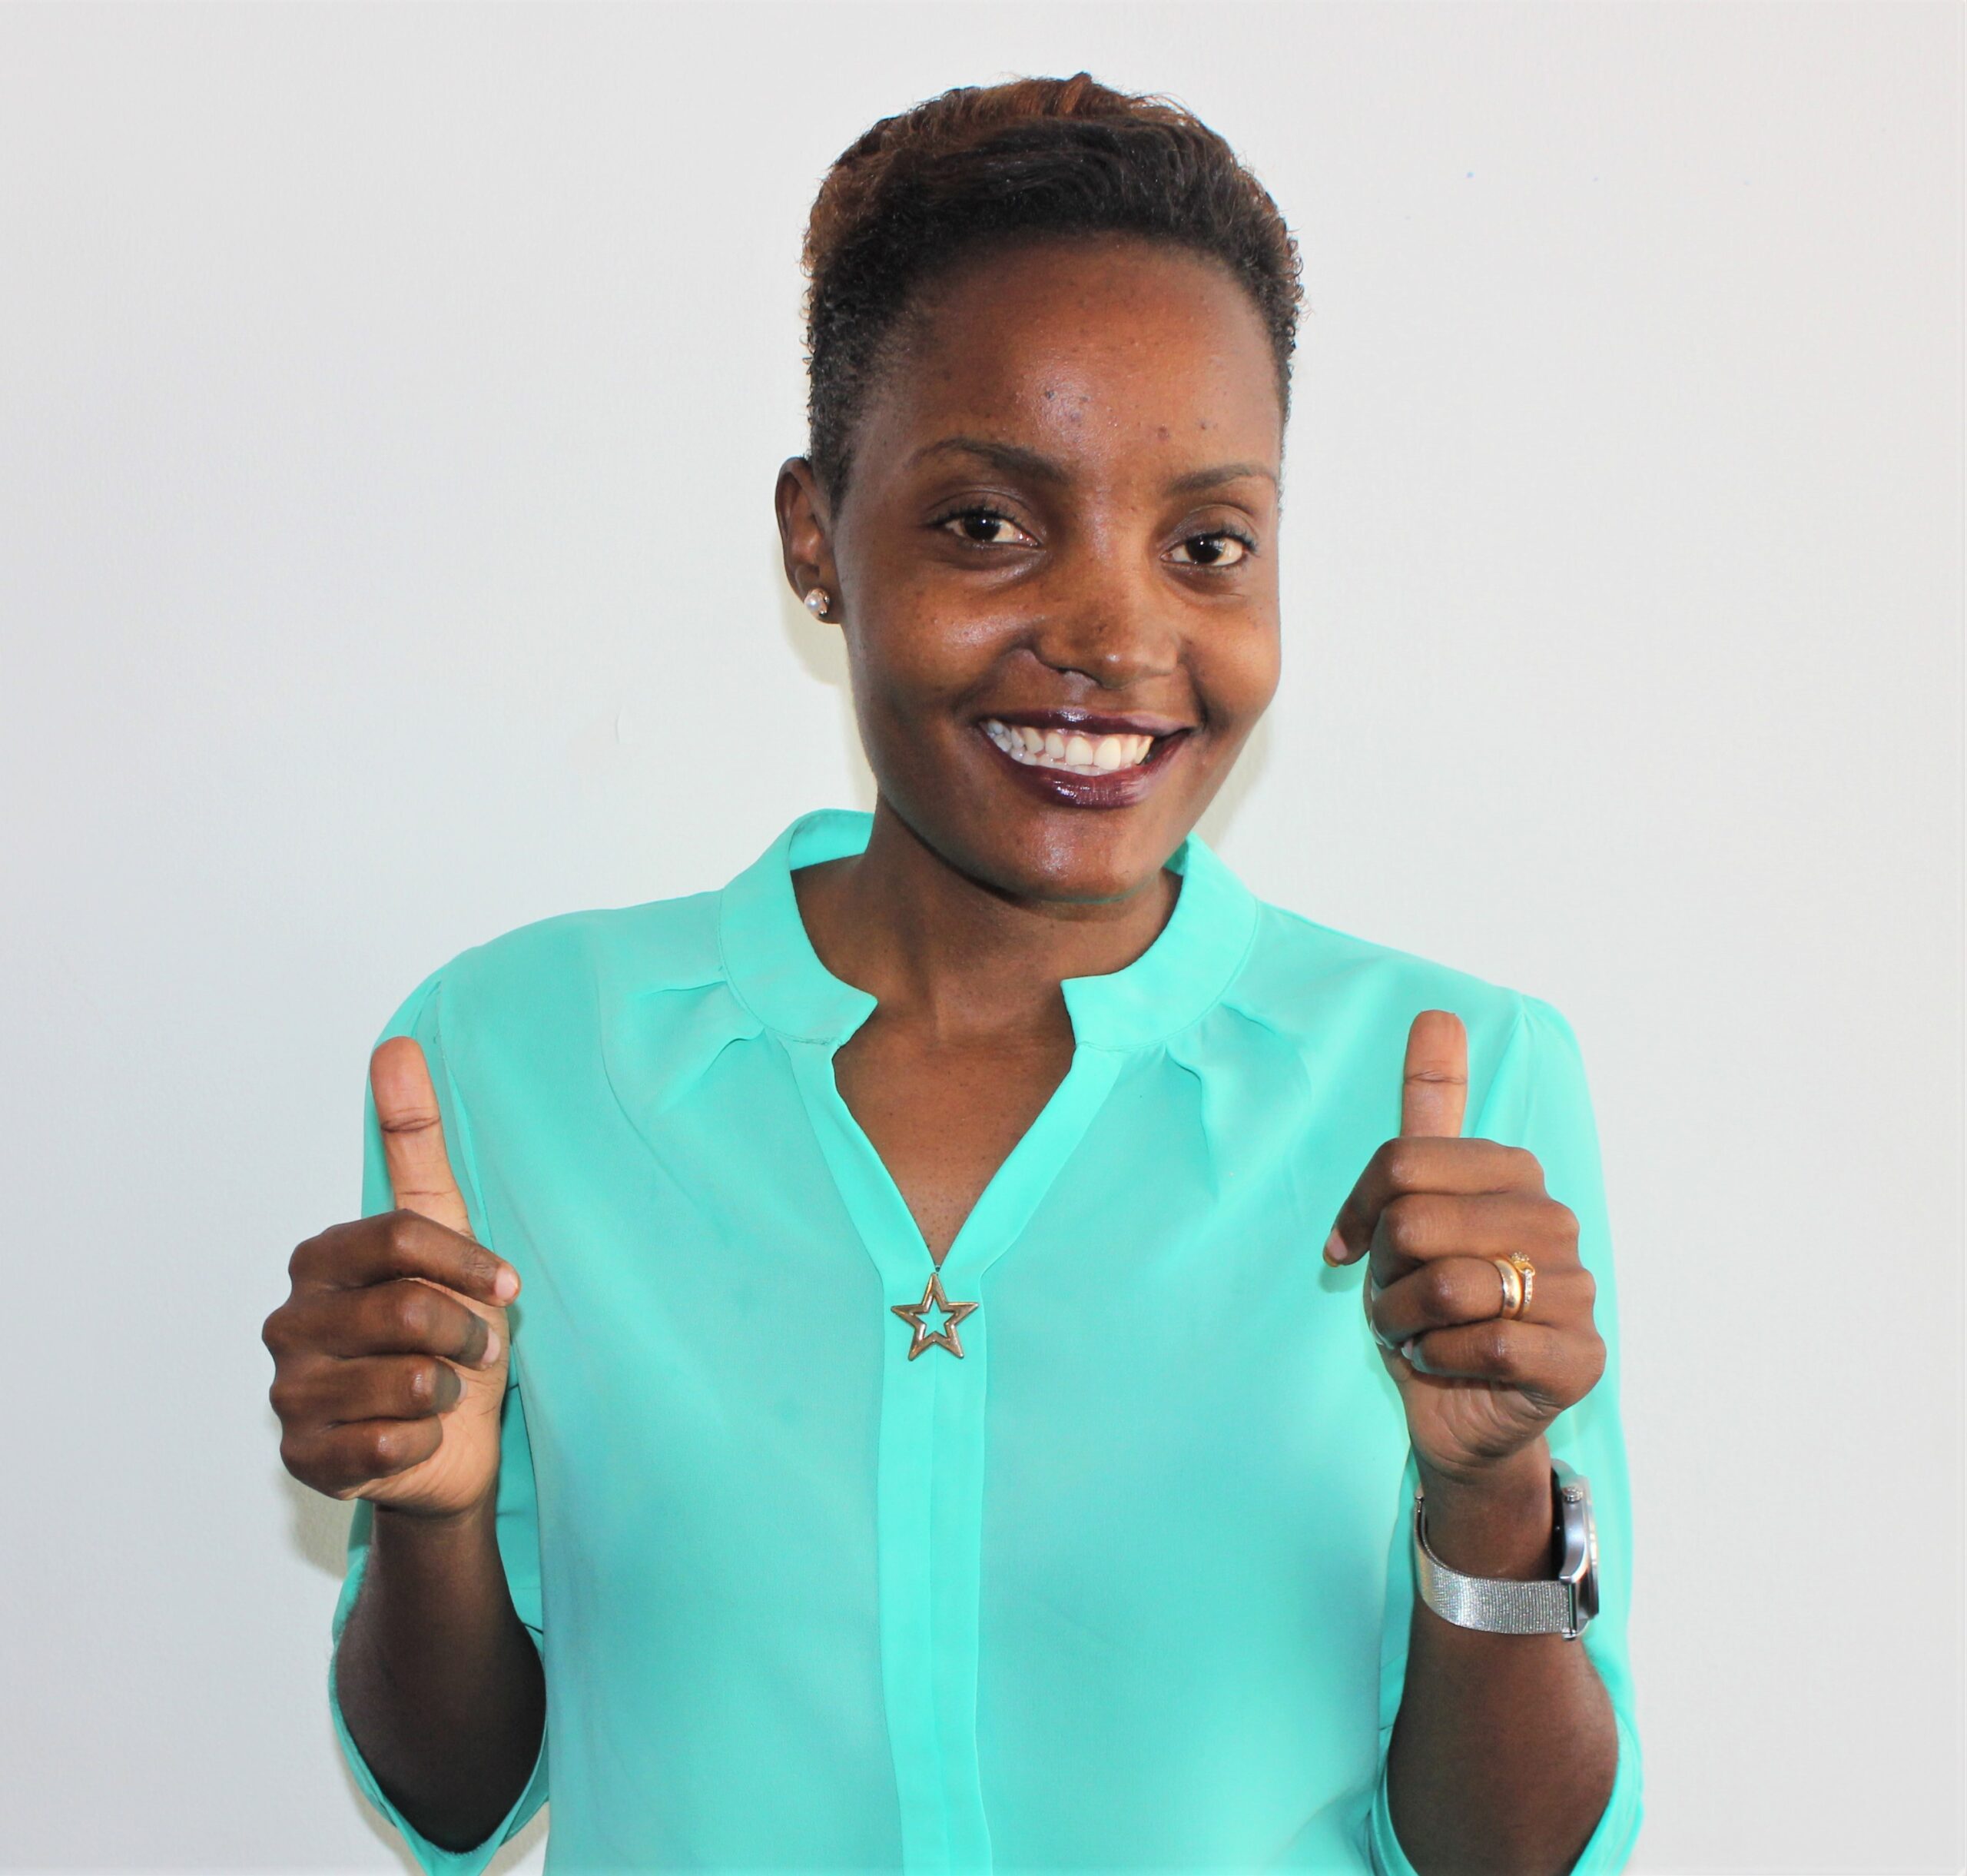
[505, 1285]
[1334, 1247]
[491, 1347]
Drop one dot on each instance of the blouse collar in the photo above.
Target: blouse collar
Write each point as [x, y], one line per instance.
[772, 967]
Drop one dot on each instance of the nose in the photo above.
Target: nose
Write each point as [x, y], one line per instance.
[1110, 627]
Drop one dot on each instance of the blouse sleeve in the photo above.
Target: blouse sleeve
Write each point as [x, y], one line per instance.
[1538, 1099]
[516, 1516]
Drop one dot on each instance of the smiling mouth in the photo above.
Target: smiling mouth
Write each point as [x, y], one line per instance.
[1074, 752]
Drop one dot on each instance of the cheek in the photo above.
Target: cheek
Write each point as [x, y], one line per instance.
[919, 654]
[1237, 677]
[899, 669]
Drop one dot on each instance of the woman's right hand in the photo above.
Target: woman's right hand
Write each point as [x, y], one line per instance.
[390, 1351]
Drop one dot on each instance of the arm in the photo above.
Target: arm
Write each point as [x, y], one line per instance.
[439, 1683]
[1499, 1752]
[1505, 1750]
[437, 1687]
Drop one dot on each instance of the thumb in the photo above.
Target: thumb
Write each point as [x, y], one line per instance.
[413, 1135]
[1434, 1088]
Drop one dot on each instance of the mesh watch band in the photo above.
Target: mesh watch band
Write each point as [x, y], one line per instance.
[1501, 1605]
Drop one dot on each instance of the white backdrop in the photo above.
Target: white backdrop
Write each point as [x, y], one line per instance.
[389, 404]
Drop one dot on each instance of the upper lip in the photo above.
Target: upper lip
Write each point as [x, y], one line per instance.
[1093, 723]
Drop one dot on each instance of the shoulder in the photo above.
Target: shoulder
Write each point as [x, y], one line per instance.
[570, 967]
[1313, 984]
[663, 943]
[1342, 1005]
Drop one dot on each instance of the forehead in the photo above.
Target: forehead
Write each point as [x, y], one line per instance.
[1089, 343]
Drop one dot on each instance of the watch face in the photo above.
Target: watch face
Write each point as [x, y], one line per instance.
[1580, 1541]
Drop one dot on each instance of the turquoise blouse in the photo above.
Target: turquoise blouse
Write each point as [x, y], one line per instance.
[1125, 1583]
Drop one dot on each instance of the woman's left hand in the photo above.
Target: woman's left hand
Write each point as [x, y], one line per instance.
[1429, 1213]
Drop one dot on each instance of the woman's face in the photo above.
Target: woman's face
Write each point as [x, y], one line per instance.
[1055, 562]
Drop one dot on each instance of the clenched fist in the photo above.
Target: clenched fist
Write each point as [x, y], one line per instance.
[390, 1351]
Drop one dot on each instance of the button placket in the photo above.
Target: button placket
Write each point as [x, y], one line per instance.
[930, 1500]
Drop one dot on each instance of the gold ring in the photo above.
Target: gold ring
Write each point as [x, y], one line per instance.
[1519, 1278]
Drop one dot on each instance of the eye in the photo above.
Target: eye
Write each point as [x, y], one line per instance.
[1222, 547]
[977, 527]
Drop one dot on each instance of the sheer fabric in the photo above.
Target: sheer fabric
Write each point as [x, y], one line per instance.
[1127, 1585]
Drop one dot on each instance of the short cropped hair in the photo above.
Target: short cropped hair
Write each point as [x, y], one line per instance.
[1035, 157]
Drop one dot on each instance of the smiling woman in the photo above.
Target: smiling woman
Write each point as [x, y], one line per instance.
[1062, 517]
[841, 1368]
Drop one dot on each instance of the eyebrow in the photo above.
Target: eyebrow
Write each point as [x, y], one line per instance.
[1016, 460]
[1198, 479]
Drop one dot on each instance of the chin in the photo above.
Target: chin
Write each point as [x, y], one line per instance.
[1027, 836]
[1072, 856]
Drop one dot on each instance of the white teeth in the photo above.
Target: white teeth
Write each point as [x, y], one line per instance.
[1076, 753]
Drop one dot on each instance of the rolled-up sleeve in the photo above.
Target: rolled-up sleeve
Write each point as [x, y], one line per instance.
[517, 1509]
[1538, 1098]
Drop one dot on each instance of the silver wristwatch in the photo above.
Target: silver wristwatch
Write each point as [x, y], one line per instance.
[1562, 1605]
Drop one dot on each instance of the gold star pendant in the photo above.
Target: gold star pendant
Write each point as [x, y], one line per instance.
[913, 1312]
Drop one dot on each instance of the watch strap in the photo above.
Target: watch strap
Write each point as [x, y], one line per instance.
[1499, 1604]
[1502, 1605]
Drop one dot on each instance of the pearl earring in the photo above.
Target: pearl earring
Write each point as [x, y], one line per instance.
[818, 601]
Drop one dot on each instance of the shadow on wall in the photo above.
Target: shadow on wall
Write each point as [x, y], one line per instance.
[822, 654]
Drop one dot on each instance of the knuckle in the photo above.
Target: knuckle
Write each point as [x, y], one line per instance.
[383, 1448]
[283, 1395]
[1595, 1357]
[1437, 1285]
[1494, 1349]
[1526, 1166]
[1401, 1166]
[411, 1312]
[1566, 1222]
[399, 1232]
[420, 1382]
[1404, 1220]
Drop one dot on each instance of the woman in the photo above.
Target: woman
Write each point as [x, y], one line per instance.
[843, 1359]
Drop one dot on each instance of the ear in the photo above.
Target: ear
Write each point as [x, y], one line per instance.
[803, 529]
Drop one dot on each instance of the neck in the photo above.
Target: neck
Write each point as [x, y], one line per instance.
[937, 947]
